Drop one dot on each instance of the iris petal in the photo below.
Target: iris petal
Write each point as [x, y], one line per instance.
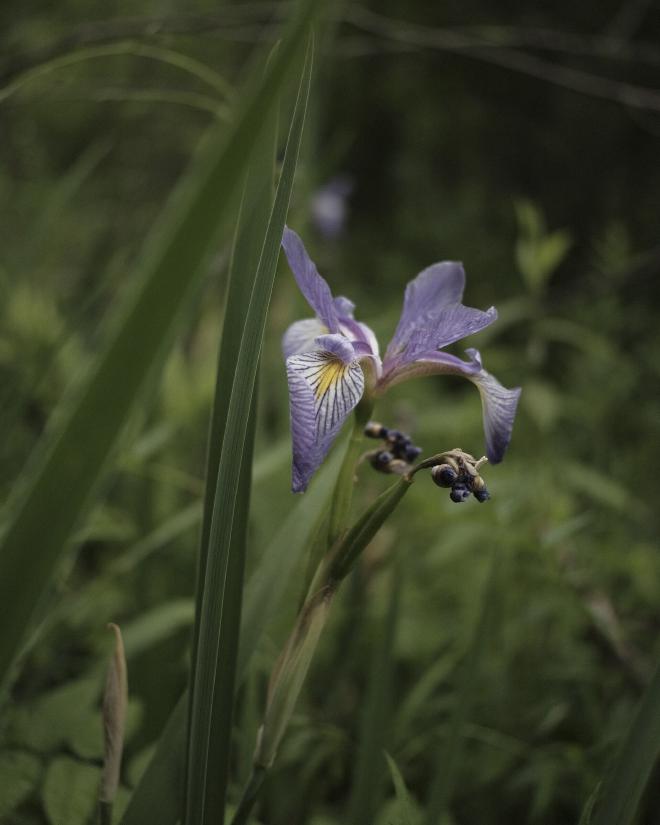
[498, 403]
[311, 284]
[301, 336]
[435, 287]
[324, 387]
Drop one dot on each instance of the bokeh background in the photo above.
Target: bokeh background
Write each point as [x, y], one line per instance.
[499, 649]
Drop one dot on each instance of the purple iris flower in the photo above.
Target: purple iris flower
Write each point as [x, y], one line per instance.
[332, 360]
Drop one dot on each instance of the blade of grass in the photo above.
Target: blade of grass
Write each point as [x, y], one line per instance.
[213, 689]
[158, 797]
[405, 814]
[173, 58]
[256, 206]
[369, 768]
[60, 481]
[621, 791]
[450, 754]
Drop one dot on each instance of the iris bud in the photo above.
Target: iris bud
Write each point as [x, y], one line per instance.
[459, 493]
[375, 430]
[443, 475]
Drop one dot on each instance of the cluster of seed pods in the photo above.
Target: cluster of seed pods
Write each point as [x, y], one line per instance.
[459, 472]
[454, 470]
[398, 452]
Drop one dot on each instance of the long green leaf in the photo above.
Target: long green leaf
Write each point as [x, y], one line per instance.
[210, 695]
[405, 812]
[60, 482]
[159, 794]
[253, 218]
[622, 788]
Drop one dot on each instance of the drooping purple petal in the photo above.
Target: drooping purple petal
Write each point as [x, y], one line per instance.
[435, 287]
[324, 387]
[499, 409]
[301, 336]
[498, 403]
[311, 284]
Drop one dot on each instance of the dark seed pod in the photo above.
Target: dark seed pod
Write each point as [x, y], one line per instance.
[444, 475]
[396, 437]
[482, 495]
[466, 480]
[411, 452]
[459, 493]
[375, 430]
[381, 460]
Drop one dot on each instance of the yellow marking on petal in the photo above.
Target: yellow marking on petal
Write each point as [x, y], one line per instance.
[332, 374]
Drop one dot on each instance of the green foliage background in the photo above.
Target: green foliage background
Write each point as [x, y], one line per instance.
[532, 620]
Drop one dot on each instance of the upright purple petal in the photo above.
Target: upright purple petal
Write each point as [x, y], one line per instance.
[311, 284]
[498, 403]
[435, 287]
[448, 325]
[324, 387]
[436, 329]
[344, 306]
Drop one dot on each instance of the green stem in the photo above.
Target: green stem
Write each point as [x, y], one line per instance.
[293, 664]
[363, 531]
[343, 495]
[250, 794]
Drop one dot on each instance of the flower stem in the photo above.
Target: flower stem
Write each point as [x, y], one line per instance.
[291, 669]
[343, 495]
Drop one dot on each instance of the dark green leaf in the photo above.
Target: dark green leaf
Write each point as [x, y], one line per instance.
[212, 690]
[60, 481]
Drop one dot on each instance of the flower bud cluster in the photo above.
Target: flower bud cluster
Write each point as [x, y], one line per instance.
[398, 452]
[458, 471]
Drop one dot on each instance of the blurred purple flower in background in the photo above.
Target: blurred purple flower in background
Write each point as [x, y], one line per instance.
[332, 360]
[328, 207]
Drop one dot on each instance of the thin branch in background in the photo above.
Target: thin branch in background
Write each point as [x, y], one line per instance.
[147, 97]
[455, 42]
[608, 47]
[628, 19]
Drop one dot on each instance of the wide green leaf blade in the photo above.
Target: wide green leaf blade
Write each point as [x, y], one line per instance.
[253, 219]
[61, 479]
[211, 695]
